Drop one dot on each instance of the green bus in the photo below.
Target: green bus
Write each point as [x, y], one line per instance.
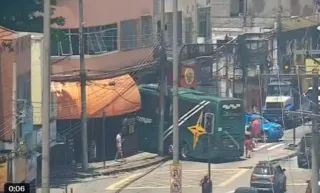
[199, 115]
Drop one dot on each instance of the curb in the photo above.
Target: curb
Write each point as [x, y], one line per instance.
[129, 168]
[119, 164]
[291, 155]
[139, 177]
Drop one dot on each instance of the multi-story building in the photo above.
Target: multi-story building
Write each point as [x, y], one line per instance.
[117, 34]
[233, 17]
[15, 93]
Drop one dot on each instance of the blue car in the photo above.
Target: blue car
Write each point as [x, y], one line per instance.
[272, 131]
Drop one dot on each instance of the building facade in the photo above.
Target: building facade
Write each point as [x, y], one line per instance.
[117, 34]
[16, 109]
[233, 17]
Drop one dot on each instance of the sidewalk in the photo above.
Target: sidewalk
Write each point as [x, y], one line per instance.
[273, 156]
[137, 161]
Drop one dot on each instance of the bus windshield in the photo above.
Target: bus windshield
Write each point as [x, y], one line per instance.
[279, 90]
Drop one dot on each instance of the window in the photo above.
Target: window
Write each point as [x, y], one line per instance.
[128, 34]
[65, 44]
[279, 90]
[189, 30]
[169, 31]
[263, 170]
[204, 22]
[97, 40]
[237, 8]
[146, 31]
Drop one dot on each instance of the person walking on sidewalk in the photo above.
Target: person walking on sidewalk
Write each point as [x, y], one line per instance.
[248, 145]
[206, 184]
[119, 142]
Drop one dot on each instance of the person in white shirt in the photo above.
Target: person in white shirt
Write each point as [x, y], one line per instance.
[119, 141]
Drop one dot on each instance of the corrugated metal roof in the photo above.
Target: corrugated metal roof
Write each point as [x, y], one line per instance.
[6, 34]
[296, 22]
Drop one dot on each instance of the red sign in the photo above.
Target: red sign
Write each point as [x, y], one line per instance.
[188, 78]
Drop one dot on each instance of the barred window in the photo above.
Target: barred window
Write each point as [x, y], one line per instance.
[97, 40]
[128, 34]
[146, 31]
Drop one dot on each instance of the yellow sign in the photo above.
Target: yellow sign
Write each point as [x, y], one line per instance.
[189, 75]
[197, 130]
[3, 175]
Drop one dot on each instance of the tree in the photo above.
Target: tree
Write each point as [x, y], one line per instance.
[25, 15]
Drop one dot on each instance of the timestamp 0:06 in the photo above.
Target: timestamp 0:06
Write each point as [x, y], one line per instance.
[16, 187]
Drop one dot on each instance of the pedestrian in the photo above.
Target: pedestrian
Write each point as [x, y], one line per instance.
[119, 142]
[254, 109]
[255, 130]
[206, 184]
[248, 146]
[282, 179]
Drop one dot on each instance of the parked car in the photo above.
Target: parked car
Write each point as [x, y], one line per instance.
[272, 131]
[246, 190]
[267, 176]
[304, 151]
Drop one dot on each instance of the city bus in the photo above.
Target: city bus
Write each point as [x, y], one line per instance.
[200, 115]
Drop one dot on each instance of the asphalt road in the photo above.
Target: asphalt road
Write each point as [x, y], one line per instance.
[225, 180]
[226, 176]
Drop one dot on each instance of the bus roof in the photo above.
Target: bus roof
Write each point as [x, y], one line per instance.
[185, 93]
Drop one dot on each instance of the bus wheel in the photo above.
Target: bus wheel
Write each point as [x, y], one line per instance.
[184, 151]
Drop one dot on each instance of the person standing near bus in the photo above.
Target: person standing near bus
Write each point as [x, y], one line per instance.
[255, 130]
[248, 146]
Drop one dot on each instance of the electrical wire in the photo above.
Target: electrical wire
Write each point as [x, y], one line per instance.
[76, 125]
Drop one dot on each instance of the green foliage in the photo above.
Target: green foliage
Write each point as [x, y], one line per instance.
[19, 15]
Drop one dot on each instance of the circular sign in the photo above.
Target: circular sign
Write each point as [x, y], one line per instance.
[189, 75]
[175, 173]
[175, 186]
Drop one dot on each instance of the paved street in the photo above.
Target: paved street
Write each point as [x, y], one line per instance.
[226, 176]
[224, 180]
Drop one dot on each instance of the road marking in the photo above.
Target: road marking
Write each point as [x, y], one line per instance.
[276, 146]
[155, 187]
[262, 146]
[233, 178]
[204, 170]
[123, 181]
[297, 184]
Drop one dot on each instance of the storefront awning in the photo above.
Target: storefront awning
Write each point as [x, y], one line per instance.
[116, 96]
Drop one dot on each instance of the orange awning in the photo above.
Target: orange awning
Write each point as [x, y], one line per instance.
[116, 96]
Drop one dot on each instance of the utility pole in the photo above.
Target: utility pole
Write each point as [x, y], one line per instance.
[162, 79]
[279, 41]
[83, 91]
[227, 70]
[104, 138]
[244, 25]
[196, 25]
[175, 84]
[315, 135]
[14, 121]
[46, 93]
